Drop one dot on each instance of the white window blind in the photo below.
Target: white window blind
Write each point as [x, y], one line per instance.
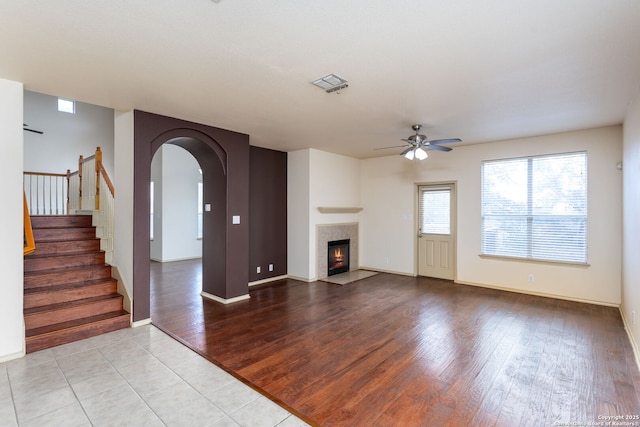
[536, 207]
[435, 211]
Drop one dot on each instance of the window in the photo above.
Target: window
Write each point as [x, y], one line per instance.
[66, 106]
[151, 211]
[200, 202]
[434, 210]
[536, 207]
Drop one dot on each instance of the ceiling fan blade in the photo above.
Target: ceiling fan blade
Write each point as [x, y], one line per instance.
[39, 132]
[445, 141]
[431, 146]
[393, 146]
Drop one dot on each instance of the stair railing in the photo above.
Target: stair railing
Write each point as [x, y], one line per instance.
[47, 193]
[87, 189]
[29, 242]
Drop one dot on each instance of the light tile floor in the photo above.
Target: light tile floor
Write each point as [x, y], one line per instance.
[132, 377]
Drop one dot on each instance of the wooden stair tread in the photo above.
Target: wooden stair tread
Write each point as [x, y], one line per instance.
[36, 255]
[60, 221]
[68, 286]
[65, 269]
[69, 304]
[72, 324]
[69, 292]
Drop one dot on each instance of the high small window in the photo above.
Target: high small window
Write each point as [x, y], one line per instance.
[66, 106]
[536, 208]
[151, 211]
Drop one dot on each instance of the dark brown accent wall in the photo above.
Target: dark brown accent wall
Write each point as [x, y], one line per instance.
[224, 158]
[268, 213]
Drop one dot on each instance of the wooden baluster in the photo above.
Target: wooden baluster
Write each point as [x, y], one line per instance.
[80, 161]
[98, 167]
[68, 190]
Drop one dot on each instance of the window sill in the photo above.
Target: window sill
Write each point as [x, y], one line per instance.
[535, 261]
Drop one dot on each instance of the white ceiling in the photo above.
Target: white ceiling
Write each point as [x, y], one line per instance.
[478, 70]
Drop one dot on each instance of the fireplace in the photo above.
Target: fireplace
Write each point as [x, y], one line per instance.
[337, 257]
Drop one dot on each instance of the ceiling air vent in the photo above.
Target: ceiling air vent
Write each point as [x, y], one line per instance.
[331, 83]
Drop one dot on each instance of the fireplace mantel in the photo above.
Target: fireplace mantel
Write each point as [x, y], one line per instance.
[328, 210]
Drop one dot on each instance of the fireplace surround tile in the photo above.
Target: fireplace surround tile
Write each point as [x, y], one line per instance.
[329, 232]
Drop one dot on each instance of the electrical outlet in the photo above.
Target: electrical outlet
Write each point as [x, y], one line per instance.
[270, 267]
[386, 260]
[531, 278]
[258, 270]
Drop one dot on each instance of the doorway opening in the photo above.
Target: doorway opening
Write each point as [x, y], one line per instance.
[175, 224]
[437, 230]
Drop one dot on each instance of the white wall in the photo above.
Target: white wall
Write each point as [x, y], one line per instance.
[388, 227]
[176, 175]
[631, 223]
[12, 338]
[123, 203]
[66, 136]
[156, 177]
[298, 263]
[317, 179]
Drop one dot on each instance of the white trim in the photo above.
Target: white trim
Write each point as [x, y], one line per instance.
[302, 279]
[223, 300]
[141, 323]
[13, 356]
[634, 344]
[380, 270]
[175, 259]
[270, 279]
[539, 294]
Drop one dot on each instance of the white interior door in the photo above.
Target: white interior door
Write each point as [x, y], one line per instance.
[436, 233]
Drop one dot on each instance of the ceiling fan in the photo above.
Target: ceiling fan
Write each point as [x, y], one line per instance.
[418, 144]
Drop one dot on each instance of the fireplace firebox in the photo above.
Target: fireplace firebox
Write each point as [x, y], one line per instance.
[338, 257]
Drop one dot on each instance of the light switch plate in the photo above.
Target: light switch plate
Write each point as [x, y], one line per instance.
[207, 207]
[236, 219]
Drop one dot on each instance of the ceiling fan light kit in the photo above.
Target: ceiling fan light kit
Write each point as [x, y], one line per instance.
[418, 145]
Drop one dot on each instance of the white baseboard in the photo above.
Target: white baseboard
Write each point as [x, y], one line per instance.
[302, 279]
[379, 270]
[141, 323]
[538, 294]
[634, 344]
[12, 356]
[224, 300]
[270, 279]
[174, 259]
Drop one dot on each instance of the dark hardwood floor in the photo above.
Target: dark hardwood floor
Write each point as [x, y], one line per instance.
[400, 351]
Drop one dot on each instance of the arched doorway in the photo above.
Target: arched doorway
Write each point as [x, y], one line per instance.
[224, 158]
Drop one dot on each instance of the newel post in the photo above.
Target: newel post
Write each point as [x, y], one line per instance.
[80, 162]
[68, 190]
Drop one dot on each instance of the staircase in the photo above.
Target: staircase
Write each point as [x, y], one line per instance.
[69, 293]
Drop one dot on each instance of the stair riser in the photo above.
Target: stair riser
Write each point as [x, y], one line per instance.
[39, 264]
[65, 247]
[68, 268]
[51, 234]
[52, 221]
[40, 342]
[77, 275]
[46, 318]
[40, 299]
